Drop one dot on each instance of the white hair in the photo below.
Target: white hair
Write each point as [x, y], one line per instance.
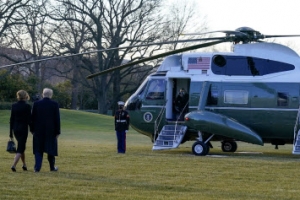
[47, 92]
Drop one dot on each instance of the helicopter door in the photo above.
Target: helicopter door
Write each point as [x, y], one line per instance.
[176, 84]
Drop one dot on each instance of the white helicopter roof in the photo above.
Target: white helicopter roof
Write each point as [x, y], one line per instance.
[199, 63]
[272, 51]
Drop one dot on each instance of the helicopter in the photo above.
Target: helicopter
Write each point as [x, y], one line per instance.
[251, 94]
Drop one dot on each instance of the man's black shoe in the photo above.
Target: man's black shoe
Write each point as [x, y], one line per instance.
[55, 169]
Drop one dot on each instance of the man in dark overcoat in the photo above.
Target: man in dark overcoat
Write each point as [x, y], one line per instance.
[45, 130]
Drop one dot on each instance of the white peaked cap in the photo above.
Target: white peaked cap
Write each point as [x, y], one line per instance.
[121, 103]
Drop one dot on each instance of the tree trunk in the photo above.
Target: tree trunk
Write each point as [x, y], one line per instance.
[74, 82]
[74, 96]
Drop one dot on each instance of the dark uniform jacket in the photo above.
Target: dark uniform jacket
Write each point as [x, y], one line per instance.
[122, 120]
[20, 119]
[180, 102]
[45, 126]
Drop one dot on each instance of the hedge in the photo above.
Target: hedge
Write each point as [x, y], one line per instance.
[7, 105]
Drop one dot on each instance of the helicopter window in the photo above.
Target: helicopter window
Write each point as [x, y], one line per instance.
[219, 60]
[274, 67]
[156, 89]
[247, 66]
[282, 99]
[134, 101]
[213, 97]
[252, 66]
[142, 91]
[236, 97]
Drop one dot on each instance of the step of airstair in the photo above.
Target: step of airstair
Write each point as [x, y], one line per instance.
[169, 137]
[296, 146]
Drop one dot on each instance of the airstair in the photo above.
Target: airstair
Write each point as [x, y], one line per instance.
[169, 137]
[296, 145]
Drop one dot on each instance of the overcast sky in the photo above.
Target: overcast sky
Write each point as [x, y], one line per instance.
[270, 17]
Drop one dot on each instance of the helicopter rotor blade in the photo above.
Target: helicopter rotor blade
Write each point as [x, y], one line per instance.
[111, 49]
[242, 34]
[157, 56]
[236, 33]
[40, 60]
[276, 36]
[245, 34]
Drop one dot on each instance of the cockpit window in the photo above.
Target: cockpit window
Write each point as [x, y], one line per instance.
[156, 89]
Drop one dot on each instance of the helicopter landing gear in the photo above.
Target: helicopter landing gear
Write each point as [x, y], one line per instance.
[201, 148]
[229, 146]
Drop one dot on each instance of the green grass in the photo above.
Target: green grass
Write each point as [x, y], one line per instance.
[90, 168]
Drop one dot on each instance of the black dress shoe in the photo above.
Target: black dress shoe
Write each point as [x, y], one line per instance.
[24, 168]
[55, 169]
[13, 169]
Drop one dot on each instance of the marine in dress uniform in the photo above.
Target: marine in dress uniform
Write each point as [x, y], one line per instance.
[122, 121]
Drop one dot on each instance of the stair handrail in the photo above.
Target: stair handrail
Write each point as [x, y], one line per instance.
[181, 112]
[176, 122]
[159, 117]
[296, 125]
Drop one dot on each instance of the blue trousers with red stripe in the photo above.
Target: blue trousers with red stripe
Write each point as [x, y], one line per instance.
[121, 137]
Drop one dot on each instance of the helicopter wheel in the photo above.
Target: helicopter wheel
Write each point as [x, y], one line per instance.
[229, 146]
[200, 148]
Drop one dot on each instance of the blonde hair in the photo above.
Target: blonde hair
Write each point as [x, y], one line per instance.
[47, 92]
[22, 95]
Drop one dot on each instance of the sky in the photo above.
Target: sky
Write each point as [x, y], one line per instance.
[269, 17]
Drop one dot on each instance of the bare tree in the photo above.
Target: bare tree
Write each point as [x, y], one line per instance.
[72, 37]
[85, 25]
[32, 34]
[183, 18]
[9, 16]
[104, 24]
[111, 24]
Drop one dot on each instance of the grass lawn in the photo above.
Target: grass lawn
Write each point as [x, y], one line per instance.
[90, 168]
